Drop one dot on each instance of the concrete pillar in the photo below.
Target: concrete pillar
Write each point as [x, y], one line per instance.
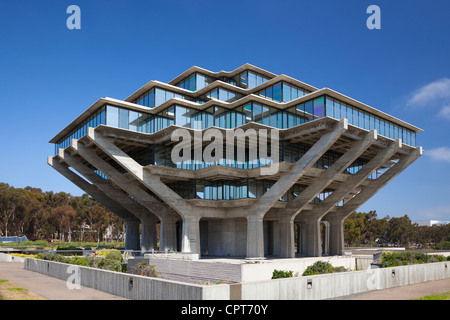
[255, 237]
[132, 235]
[191, 235]
[336, 236]
[311, 243]
[287, 249]
[148, 235]
[326, 238]
[168, 235]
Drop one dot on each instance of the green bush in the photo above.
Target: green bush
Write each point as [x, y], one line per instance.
[394, 259]
[111, 262]
[142, 268]
[319, 267]
[278, 274]
[444, 245]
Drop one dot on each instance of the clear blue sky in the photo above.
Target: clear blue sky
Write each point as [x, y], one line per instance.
[50, 74]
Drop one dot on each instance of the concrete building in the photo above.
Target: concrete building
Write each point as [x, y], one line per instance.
[334, 153]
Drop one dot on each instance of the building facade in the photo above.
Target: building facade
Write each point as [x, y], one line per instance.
[330, 154]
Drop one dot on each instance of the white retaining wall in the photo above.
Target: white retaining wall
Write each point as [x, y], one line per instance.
[128, 285]
[298, 288]
[342, 284]
[10, 258]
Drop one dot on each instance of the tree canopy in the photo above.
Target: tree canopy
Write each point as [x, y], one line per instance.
[47, 215]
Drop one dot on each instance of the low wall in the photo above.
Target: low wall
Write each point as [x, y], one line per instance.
[316, 287]
[342, 284]
[10, 258]
[127, 285]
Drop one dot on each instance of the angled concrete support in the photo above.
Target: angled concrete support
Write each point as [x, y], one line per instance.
[377, 184]
[101, 197]
[307, 195]
[138, 172]
[148, 220]
[288, 179]
[167, 233]
[191, 235]
[336, 219]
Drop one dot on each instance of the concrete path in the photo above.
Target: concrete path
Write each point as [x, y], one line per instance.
[48, 287]
[414, 291]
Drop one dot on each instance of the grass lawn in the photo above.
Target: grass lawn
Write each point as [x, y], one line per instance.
[11, 291]
[441, 296]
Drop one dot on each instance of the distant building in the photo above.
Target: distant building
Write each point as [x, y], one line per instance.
[431, 222]
[13, 239]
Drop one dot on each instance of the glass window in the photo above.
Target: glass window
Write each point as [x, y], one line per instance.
[123, 118]
[244, 79]
[251, 80]
[112, 116]
[337, 110]
[257, 113]
[287, 96]
[329, 104]
[309, 110]
[277, 92]
[319, 108]
[133, 120]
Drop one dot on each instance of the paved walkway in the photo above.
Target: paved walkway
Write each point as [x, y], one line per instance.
[48, 287]
[414, 291]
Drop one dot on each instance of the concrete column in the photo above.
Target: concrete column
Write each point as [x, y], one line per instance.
[191, 235]
[148, 235]
[255, 238]
[168, 235]
[287, 249]
[336, 236]
[326, 238]
[132, 235]
[311, 244]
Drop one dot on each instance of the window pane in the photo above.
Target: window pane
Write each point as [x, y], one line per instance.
[123, 118]
[319, 108]
[309, 110]
[160, 97]
[286, 92]
[251, 80]
[112, 116]
[329, 112]
[277, 92]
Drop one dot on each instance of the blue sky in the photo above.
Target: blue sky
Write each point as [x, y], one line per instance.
[51, 74]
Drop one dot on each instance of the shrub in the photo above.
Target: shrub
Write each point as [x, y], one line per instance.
[444, 245]
[322, 267]
[319, 267]
[142, 268]
[394, 259]
[278, 274]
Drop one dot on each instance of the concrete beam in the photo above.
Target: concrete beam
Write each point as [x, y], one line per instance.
[377, 184]
[131, 240]
[147, 218]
